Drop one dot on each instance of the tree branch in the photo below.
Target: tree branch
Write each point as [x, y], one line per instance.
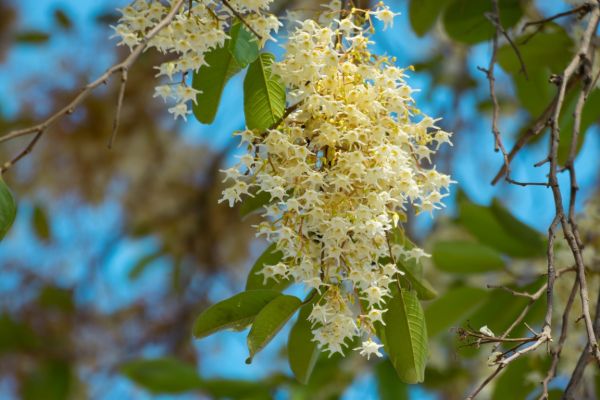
[124, 65]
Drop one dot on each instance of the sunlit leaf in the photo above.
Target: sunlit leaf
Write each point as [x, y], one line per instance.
[236, 312]
[406, 335]
[264, 94]
[462, 257]
[269, 322]
[243, 45]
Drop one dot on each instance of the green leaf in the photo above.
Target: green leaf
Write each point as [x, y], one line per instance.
[256, 280]
[536, 82]
[252, 204]
[512, 383]
[210, 80]
[142, 264]
[269, 322]
[31, 37]
[589, 116]
[236, 312]
[243, 45]
[413, 270]
[452, 307]
[8, 209]
[550, 49]
[424, 13]
[518, 230]
[50, 380]
[484, 224]
[388, 385]
[465, 20]
[303, 351]
[406, 335]
[162, 375]
[41, 226]
[461, 257]
[264, 94]
[52, 297]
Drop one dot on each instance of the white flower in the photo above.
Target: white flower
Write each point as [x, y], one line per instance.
[486, 331]
[180, 110]
[385, 15]
[368, 348]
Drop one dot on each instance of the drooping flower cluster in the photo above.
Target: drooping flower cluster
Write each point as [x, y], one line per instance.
[198, 27]
[340, 170]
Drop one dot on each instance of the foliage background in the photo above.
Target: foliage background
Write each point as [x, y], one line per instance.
[115, 252]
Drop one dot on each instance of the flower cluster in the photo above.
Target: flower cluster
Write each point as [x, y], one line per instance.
[198, 27]
[340, 170]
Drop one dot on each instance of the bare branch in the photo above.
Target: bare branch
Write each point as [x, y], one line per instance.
[42, 127]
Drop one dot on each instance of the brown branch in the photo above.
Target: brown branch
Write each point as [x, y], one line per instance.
[241, 18]
[580, 62]
[561, 341]
[42, 127]
[581, 10]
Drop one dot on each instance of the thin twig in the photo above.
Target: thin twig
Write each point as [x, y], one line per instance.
[42, 127]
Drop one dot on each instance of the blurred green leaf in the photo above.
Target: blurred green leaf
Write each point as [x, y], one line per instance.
[53, 297]
[452, 307]
[16, 336]
[536, 82]
[162, 375]
[8, 209]
[549, 49]
[303, 351]
[465, 20]
[424, 13]
[518, 230]
[406, 335]
[269, 322]
[210, 80]
[41, 226]
[236, 312]
[256, 280]
[589, 117]
[389, 386]
[264, 94]
[62, 19]
[242, 45]
[462, 257]
[513, 382]
[51, 380]
[31, 37]
[483, 223]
